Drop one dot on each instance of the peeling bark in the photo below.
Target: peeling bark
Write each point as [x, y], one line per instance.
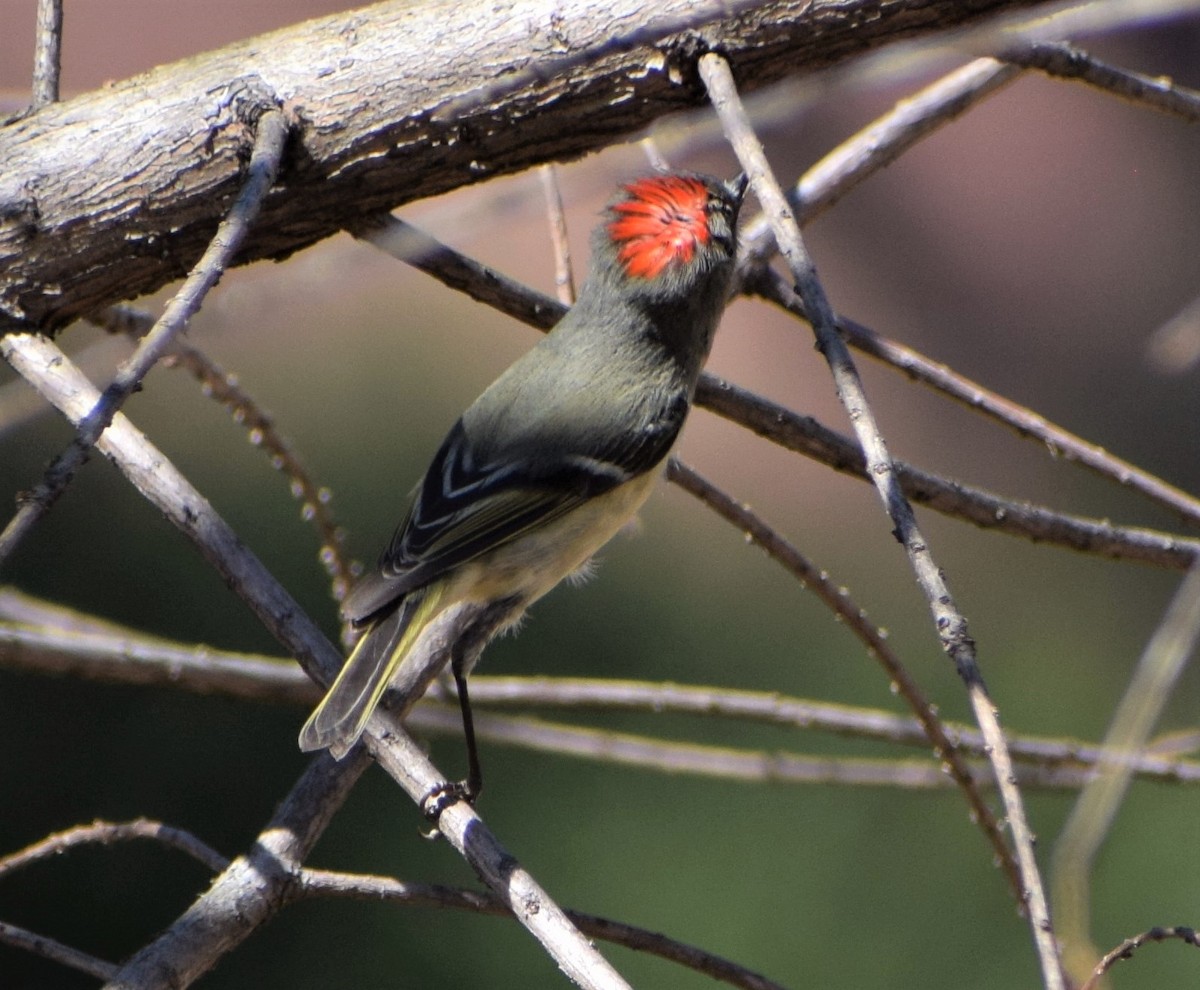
[115, 193]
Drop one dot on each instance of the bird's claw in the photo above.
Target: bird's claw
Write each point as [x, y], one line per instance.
[442, 797]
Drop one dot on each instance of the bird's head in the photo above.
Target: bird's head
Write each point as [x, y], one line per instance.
[671, 234]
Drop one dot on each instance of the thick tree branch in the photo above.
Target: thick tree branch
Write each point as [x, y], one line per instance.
[117, 192]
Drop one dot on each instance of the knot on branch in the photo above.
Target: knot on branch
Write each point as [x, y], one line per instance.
[682, 54]
[240, 105]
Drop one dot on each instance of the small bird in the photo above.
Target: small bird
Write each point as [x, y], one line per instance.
[558, 453]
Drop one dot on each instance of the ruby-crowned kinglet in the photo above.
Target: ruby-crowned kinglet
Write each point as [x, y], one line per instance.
[559, 452]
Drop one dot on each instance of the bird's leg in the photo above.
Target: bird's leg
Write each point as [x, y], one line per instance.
[464, 654]
[474, 782]
[446, 794]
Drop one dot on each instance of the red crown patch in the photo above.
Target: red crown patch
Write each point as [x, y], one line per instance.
[660, 224]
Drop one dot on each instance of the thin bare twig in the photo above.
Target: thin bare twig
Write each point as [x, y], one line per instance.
[875, 146]
[780, 425]
[949, 620]
[756, 766]
[270, 137]
[225, 388]
[564, 278]
[106, 833]
[21, 406]
[805, 435]
[1068, 62]
[23, 609]
[859, 157]
[1055, 440]
[1127, 948]
[658, 161]
[326, 883]
[877, 646]
[455, 270]
[47, 55]
[1152, 686]
[1059, 442]
[248, 891]
[128, 657]
[928, 110]
[1160, 762]
[55, 951]
[133, 658]
[52, 373]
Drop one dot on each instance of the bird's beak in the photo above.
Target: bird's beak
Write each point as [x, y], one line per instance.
[737, 187]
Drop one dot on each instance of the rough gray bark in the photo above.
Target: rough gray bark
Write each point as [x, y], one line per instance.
[115, 193]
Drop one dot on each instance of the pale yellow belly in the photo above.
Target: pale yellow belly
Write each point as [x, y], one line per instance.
[530, 565]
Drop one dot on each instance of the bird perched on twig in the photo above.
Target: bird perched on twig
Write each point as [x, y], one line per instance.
[558, 453]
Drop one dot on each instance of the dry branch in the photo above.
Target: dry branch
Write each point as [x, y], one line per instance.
[324, 883]
[872, 638]
[806, 436]
[251, 889]
[125, 656]
[291, 882]
[1127, 948]
[107, 833]
[949, 621]
[1082, 837]
[261, 430]
[269, 137]
[47, 56]
[54, 950]
[117, 192]
[1069, 62]
[51, 371]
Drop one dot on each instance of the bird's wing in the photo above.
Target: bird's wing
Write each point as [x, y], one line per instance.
[463, 508]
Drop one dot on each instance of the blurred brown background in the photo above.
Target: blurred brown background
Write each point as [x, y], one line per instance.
[1035, 245]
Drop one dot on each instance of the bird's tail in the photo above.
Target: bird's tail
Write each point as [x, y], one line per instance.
[340, 718]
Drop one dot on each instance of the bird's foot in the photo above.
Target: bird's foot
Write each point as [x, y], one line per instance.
[441, 797]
